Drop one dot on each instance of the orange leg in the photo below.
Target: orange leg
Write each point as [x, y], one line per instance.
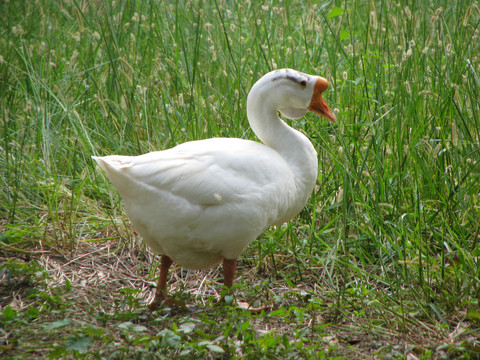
[161, 293]
[229, 267]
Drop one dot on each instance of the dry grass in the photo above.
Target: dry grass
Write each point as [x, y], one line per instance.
[89, 282]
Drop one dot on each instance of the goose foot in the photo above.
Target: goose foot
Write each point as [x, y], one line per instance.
[161, 293]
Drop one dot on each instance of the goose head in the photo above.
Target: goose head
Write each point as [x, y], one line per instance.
[292, 93]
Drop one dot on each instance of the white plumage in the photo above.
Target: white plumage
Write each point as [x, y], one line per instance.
[204, 201]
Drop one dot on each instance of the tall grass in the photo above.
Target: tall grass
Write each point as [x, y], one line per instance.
[392, 227]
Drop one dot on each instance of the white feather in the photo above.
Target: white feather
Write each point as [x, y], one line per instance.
[206, 200]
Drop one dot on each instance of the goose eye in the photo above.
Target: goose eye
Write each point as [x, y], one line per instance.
[303, 83]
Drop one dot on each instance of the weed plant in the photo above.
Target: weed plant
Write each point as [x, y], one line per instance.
[388, 240]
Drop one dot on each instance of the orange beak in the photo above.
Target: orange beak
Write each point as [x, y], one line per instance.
[318, 104]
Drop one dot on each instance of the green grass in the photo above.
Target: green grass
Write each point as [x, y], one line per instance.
[387, 246]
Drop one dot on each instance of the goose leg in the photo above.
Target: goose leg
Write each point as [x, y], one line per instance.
[229, 267]
[161, 293]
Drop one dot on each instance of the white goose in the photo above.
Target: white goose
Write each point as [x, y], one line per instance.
[202, 202]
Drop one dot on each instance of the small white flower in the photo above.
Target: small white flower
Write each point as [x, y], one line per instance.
[141, 89]
[74, 56]
[449, 49]
[17, 30]
[349, 49]
[373, 19]
[406, 54]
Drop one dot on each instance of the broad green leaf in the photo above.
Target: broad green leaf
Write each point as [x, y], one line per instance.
[9, 313]
[125, 325]
[344, 34]
[228, 299]
[473, 315]
[187, 328]
[80, 344]
[336, 11]
[56, 324]
[132, 327]
[32, 312]
[169, 338]
[215, 348]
